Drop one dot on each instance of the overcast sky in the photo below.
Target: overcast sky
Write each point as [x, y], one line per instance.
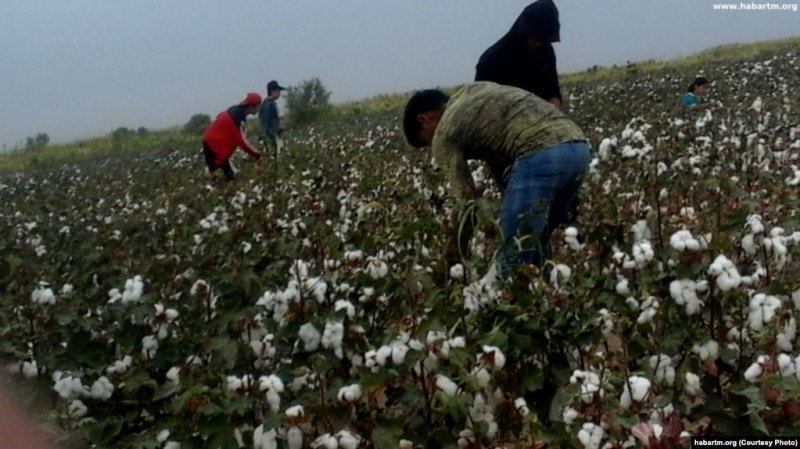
[82, 68]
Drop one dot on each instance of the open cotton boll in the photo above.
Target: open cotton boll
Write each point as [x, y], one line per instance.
[295, 411]
[44, 296]
[662, 368]
[347, 440]
[349, 393]
[635, 390]
[785, 338]
[591, 435]
[707, 351]
[133, 290]
[559, 275]
[786, 366]
[684, 292]
[692, 385]
[589, 383]
[493, 357]
[326, 441]
[457, 271]
[622, 286]
[310, 336]
[294, 438]
[29, 369]
[446, 385]
[761, 310]
[727, 275]
[102, 389]
[755, 370]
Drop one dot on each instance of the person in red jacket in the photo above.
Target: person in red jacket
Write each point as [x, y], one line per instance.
[224, 135]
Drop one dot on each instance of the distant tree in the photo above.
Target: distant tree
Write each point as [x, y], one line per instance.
[142, 131]
[121, 135]
[37, 142]
[307, 101]
[197, 124]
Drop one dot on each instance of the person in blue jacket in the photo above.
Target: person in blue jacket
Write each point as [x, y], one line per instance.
[695, 96]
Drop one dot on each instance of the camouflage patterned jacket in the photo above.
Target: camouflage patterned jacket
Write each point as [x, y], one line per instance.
[496, 124]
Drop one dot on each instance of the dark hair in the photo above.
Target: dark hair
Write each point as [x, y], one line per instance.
[421, 102]
[699, 81]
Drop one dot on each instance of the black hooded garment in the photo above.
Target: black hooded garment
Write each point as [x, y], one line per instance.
[509, 61]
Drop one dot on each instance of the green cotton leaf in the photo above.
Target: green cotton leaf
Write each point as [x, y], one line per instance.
[165, 391]
[272, 420]
[239, 405]
[210, 409]
[103, 431]
[755, 398]
[563, 398]
[758, 424]
[386, 437]
[384, 375]
[626, 421]
[533, 380]
[496, 338]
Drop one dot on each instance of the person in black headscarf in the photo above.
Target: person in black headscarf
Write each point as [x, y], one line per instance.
[524, 57]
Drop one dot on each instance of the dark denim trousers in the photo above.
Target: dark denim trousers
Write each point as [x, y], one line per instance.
[541, 187]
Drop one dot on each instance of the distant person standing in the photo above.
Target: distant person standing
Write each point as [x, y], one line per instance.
[270, 120]
[226, 134]
[696, 95]
[524, 57]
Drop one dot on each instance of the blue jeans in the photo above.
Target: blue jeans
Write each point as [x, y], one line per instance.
[541, 188]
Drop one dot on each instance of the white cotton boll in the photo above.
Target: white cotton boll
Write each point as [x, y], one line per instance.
[29, 369]
[310, 336]
[332, 337]
[753, 372]
[382, 354]
[569, 415]
[399, 353]
[342, 304]
[295, 411]
[353, 256]
[521, 406]
[748, 244]
[707, 351]
[347, 440]
[636, 389]
[174, 375]
[761, 310]
[406, 444]
[785, 338]
[350, 393]
[692, 385]
[149, 346]
[482, 377]
[457, 271]
[446, 385]
[172, 445]
[133, 290]
[497, 358]
[662, 368]
[120, 366]
[44, 296]
[199, 288]
[326, 441]
[560, 274]
[294, 438]
[641, 231]
[269, 440]
[378, 269]
[77, 409]
[162, 436]
[786, 365]
[622, 287]
[591, 435]
[102, 389]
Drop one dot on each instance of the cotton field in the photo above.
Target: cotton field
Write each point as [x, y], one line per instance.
[309, 303]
